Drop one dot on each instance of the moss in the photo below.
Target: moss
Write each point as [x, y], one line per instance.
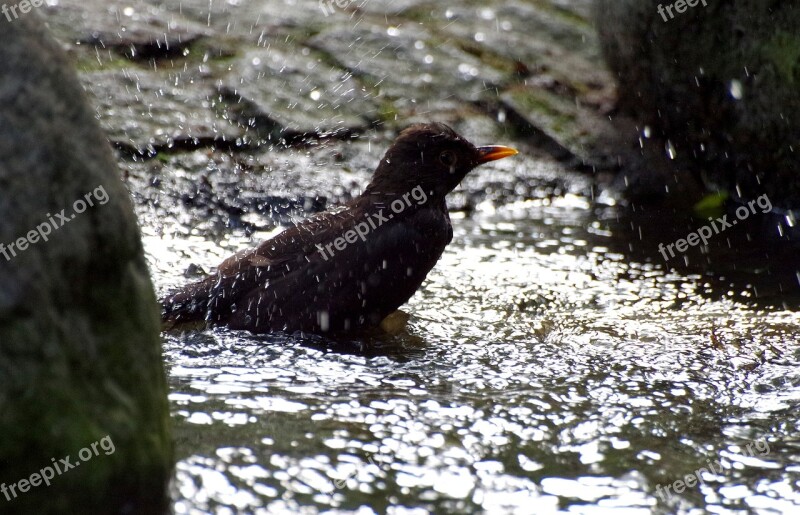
[712, 205]
[387, 112]
[783, 51]
[86, 59]
[488, 56]
[545, 105]
[567, 15]
[80, 353]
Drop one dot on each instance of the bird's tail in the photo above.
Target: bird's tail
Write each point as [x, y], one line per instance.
[187, 307]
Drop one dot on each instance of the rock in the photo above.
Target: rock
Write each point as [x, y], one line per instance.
[554, 89]
[542, 37]
[211, 192]
[567, 130]
[251, 20]
[135, 30]
[285, 93]
[717, 84]
[80, 352]
[408, 64]
[382, 7]
[144, 111]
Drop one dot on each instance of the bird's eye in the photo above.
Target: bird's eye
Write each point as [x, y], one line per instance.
[448, 158]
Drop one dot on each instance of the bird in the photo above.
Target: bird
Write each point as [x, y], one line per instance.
[344, 270]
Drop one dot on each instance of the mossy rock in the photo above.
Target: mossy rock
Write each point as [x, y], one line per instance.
[80, 352]
[719, 81]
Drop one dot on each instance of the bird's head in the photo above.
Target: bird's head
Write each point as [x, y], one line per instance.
[431, 156]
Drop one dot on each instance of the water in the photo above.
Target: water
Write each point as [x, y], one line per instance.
[552, 364]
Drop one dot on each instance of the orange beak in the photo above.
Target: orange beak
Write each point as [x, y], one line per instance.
[494, 152]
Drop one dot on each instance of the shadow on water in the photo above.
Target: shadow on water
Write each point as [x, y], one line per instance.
[755, 261]
[400, 346]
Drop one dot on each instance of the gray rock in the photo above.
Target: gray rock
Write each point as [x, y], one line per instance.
[282, 92]
[80, 353]
[136, 29]
[205, 193]
[568, 131]
[719, 82]
[408, 64]
[252, 20]
[143, 110]
[384, 7]
[520, 30]
[553, 88]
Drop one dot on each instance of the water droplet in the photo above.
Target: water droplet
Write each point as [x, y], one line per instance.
[736, 89]
[670, 150]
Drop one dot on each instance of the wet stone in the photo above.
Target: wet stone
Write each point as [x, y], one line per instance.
[579, 8]
[545, 41]
[143, 110]
[716, 85]
[387, 7]
[562, 126]
[519, 29]
[282, 93]
[409, 63]
[208, 192]
[251, 19]
[135, 30]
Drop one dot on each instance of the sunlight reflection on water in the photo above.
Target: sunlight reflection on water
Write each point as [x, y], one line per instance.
[541, 373]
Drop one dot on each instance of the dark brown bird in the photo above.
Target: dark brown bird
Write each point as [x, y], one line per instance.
[348, 269]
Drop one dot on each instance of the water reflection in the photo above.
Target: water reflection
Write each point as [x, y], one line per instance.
[545, 369]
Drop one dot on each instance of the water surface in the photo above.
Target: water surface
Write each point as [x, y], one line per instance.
[552, 364]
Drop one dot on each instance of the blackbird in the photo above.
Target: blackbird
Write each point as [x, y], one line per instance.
[347, 269]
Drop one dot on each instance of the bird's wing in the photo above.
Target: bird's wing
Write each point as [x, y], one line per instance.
[287, 282]
[211, 299]
[296, 241]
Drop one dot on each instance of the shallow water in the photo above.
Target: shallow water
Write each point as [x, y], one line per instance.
[544, 370]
